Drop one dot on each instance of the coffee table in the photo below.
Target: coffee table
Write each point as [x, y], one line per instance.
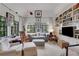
[39, 42]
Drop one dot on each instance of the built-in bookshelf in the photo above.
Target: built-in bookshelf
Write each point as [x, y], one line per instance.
[3, 27]
[69, 16]
[76, 32]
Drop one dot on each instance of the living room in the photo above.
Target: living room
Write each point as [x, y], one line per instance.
[39, 29]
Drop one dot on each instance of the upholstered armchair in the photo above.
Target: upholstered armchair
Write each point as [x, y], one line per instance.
[52, 37]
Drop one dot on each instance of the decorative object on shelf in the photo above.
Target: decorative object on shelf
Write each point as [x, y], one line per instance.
[38, 13]
[76, 14]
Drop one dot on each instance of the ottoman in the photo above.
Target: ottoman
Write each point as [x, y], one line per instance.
[39, 42]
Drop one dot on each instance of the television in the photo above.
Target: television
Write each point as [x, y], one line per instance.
[68, 31]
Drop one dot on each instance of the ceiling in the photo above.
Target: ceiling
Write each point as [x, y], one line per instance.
[48, 9]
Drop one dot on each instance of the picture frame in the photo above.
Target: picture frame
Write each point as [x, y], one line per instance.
[38, 13]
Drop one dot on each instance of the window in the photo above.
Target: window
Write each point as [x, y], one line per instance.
[3, 27]
[31, 29]
[34, 28]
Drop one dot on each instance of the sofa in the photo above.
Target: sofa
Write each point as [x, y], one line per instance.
[7, 49]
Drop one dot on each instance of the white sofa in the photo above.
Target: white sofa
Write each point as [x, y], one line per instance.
[29, 48]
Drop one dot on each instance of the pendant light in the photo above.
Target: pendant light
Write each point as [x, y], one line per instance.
[31, 13]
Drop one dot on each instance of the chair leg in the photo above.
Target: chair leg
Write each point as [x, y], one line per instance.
[22, 52]
[67, 51]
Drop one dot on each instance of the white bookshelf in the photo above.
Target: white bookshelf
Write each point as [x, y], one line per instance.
[69, 17]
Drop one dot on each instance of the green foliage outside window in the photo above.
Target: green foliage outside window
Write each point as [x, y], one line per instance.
[3, 27]
[31, 28]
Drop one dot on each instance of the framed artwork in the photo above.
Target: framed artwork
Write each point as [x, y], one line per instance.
[38, 13]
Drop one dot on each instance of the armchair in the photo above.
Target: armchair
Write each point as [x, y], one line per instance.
[52, 37]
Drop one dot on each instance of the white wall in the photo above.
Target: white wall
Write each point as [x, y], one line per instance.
[47, 20]
[3, 10]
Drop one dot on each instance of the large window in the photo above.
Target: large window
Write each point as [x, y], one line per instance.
[3, 27]
[33, 28]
